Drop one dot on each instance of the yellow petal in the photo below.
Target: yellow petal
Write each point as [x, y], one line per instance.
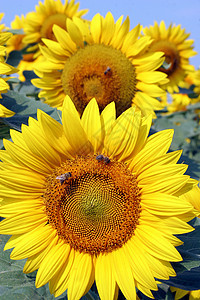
[108, 117]
[92, 124]
[108, 29]
[26, 158]
[95, 28]
[5, 112]
[155, 244]
[34, 262]
[74, 33]
[22, 223]
[105, 281]
[59, 283]
[54, 133]
[139, 265]
[34, 242]
[39, 146]
[52, 263]
[161, 204]
[80, 276]
[122, 273]
[75, 133]
[123, 136]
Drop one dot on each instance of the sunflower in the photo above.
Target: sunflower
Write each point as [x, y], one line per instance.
[16, 43]
[179, 102]
[103, 60]
[94, 199]
[189, 86]
[5, 69]
[174, 42]
[38, 24]
[192, 295]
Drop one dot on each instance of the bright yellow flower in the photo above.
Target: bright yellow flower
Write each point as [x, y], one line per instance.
[38, 24]
[16, 43]
[103, 60]
[94, 199]
[180, 101]
[5, 69]
[177, 48]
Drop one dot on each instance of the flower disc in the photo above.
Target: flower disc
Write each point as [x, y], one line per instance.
[102, 72]
[93, 210]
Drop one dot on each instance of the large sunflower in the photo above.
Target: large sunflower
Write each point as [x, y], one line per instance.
[94, 199]
[173, 41]
[38, 24]
[5, 69]
[103, 60]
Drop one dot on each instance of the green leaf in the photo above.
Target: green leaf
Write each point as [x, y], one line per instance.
[24, 107]
[16, 31]
[14, 58]
[188, 270]
[4, 133]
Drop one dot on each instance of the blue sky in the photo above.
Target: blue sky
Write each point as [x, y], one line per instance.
[145, 12]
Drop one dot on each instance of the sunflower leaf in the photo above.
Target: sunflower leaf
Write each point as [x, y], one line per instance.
[4, 133]
[24, 107]
[14, 58]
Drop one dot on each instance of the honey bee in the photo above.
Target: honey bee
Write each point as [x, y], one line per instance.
[108, 72]
[103, 158]
[64, 177]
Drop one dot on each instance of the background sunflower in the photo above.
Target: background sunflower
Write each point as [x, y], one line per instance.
[173, 41]
[39, 24]
[103, 60]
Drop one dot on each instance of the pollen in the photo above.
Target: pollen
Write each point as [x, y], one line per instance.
[97, 208]
[102, 72]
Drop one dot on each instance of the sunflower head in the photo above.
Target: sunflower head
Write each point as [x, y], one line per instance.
[104, 60]
[39, 24]
[174, 42]
[92, 197]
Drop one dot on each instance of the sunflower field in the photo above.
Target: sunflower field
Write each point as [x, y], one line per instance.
[99, 158]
